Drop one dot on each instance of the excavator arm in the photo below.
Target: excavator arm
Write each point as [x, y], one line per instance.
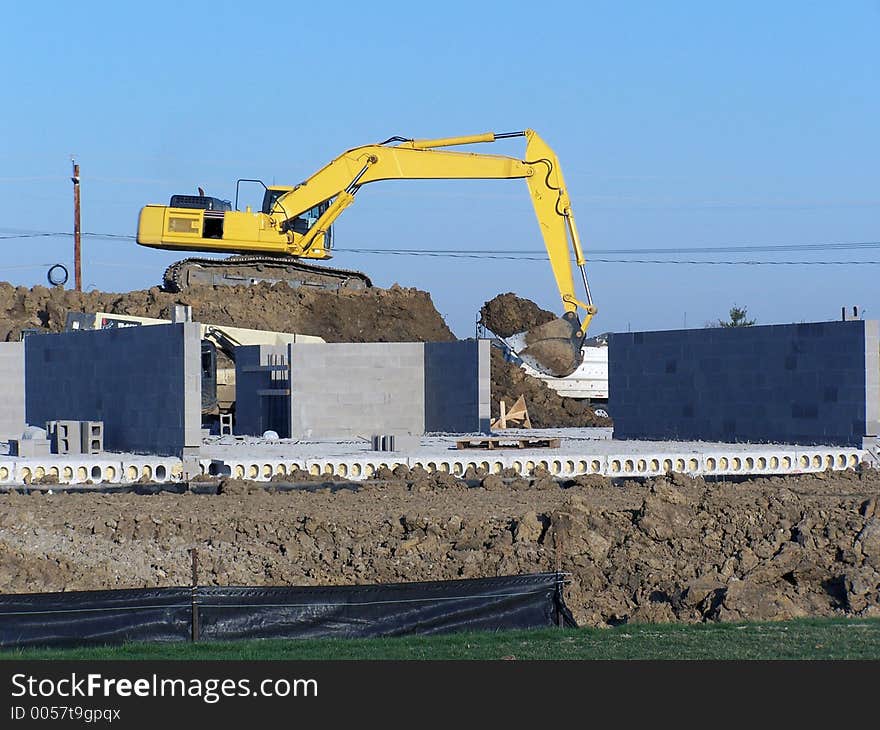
[282, 229]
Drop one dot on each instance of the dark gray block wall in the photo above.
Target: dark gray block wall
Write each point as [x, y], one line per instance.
[262, 391]
[12, 421]
[144, 383]
[457, 397]
[812, 383]
[361, 389]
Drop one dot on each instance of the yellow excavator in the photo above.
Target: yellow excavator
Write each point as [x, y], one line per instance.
[294, 225]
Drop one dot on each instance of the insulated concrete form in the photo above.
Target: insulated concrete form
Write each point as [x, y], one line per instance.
[362, 389]
[12, 422]
[811, 383]
[144, 383]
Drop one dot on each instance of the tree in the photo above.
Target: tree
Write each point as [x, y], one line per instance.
[738, 318]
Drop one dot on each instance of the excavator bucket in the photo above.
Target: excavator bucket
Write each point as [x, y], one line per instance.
[552, 348]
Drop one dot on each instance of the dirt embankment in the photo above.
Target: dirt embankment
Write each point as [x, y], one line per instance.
[675, 549]
[374, 315]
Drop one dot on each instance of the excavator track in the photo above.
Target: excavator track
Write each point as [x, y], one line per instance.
[249, 270]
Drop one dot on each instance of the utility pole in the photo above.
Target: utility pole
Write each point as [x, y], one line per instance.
[77, 242]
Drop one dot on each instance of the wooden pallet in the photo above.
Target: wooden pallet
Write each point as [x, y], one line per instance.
[501, 442]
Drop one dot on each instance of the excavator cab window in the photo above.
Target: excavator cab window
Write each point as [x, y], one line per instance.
[305, 220]
[269, 198]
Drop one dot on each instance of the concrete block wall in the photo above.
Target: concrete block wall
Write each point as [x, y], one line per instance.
[347, 389]
[362, 389]
[457, 386]
[144, 383]
[810, 383]
[256, 408]
[12, 416]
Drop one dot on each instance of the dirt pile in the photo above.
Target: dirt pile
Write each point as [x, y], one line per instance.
[547, 409]
[507, 314]
[374, 315]
[672, 549]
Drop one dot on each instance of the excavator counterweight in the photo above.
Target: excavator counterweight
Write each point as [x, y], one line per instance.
[295, 225]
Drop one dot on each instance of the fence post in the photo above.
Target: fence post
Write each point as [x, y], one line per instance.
[193, 602]
[560, 597]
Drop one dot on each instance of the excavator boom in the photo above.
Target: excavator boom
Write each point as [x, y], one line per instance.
[295, 223]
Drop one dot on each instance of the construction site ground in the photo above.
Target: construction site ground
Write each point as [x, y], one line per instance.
[658, 550]
[650, 549]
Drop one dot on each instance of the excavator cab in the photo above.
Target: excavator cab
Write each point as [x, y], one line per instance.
[270, 197]
[302, 222]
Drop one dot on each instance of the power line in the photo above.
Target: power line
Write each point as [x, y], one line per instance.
[25, 266]
[591, 260]
[34, 235]
[594, 256]
[753, 248]
[743, 248]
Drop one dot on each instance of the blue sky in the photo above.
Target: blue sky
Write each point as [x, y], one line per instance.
[678, 125]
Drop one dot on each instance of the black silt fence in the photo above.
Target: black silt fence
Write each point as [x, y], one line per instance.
[220, 614]
[95, 617]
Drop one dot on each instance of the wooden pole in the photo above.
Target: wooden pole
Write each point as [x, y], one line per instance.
[77, 242]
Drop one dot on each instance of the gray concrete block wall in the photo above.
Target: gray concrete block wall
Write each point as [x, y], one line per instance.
[192, 387]
[356, 389]
[872, 379]
[144, 383]
[12, 415]
[457, 386]
[255, 413]
[805, 383]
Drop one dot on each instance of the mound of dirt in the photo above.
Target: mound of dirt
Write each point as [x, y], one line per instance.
[670, 549]
[547, 409]
[507, 314]
[373, 315]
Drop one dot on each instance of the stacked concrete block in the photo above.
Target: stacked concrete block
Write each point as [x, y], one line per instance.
[144, 383]
[12, 421]
[457, 386]
[811, 383]
[186, 347]
[66, 436]
[872, 380]
[394, 442]
[402, 389]
[356, 389]
[262, 390]
[91, 437]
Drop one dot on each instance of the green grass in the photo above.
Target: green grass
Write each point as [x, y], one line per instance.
[800, 639]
